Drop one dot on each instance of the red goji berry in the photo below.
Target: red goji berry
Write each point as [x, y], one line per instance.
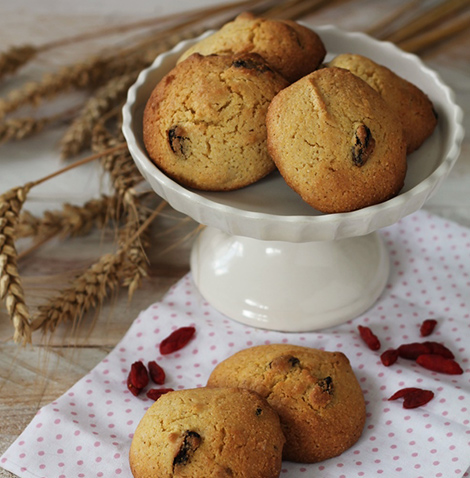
[413, 397]
[176, 340]
[369, 337]
[138, 377]
[389, 357]
[418, 398]
[439, 349]
[413, 350]
[157, 374]
[438, 363]
[427, 327]
[402, 392]
[134, 390]
[156, 393]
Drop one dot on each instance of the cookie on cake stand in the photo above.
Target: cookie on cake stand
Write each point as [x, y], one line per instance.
[269, 260]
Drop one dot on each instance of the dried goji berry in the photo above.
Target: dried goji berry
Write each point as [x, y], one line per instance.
[402, 392]
[413, 397]
[369, 337]
[156, 393]
[176, 340]
[157, 374]
[134, 390]
[413, 350]
[389, 357]
[427, 327]
[438, 363]
[138, 377]
[439, 349]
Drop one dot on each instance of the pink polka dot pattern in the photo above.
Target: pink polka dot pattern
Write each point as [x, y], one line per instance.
[87, 431]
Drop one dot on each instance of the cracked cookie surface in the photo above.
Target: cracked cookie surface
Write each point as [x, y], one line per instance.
[215, 432]
[336, 142]
[315, 393]
[412, 106]
[290, 48]
[204, 123]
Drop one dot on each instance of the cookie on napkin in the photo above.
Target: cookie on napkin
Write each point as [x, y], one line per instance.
[208, 432]
[316, 394]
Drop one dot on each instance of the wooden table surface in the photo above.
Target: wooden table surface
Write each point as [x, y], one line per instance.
[33, 376]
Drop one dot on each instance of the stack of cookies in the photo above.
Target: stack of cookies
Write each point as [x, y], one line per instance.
[255, 97]
[262, 405]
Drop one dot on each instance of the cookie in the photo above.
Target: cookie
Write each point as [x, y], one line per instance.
[315, 393]
[412, 105]
[290, 48]
[336, 142]
[204, 123]
[199, 432]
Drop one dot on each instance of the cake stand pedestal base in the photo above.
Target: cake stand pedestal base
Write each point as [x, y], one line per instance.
[290, 287]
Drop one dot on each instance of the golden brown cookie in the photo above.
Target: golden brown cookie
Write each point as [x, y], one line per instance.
[412, 106]
[290, 48]
[204, 124]
[315, 393]
[336, 142]
[201, 432]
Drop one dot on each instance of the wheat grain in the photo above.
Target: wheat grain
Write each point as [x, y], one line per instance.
[11, 289]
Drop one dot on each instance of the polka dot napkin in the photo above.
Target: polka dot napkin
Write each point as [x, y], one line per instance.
[87, 432]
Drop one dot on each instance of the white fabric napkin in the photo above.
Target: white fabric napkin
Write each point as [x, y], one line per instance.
[87, 432]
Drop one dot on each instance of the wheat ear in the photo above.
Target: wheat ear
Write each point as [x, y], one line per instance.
[15, 57]
[88, 290]
[11, 289]
[78, 136]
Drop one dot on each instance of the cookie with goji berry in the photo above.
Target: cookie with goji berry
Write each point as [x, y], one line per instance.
[208, 432]
[316, 394]
[412, 105]
[336, 142]
[290, 48]
[204, 123]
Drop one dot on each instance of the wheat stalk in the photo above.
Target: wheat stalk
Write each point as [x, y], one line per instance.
[135, 249]
[90, 289]
[427, 20]
[86, 291]
[17, 129]
[118, 164]
[90, 73]
[71, 221]
[11, 289]
[79, 134]
[14, 58]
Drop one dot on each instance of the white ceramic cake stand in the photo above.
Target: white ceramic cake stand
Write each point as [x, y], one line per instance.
[269, 260]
